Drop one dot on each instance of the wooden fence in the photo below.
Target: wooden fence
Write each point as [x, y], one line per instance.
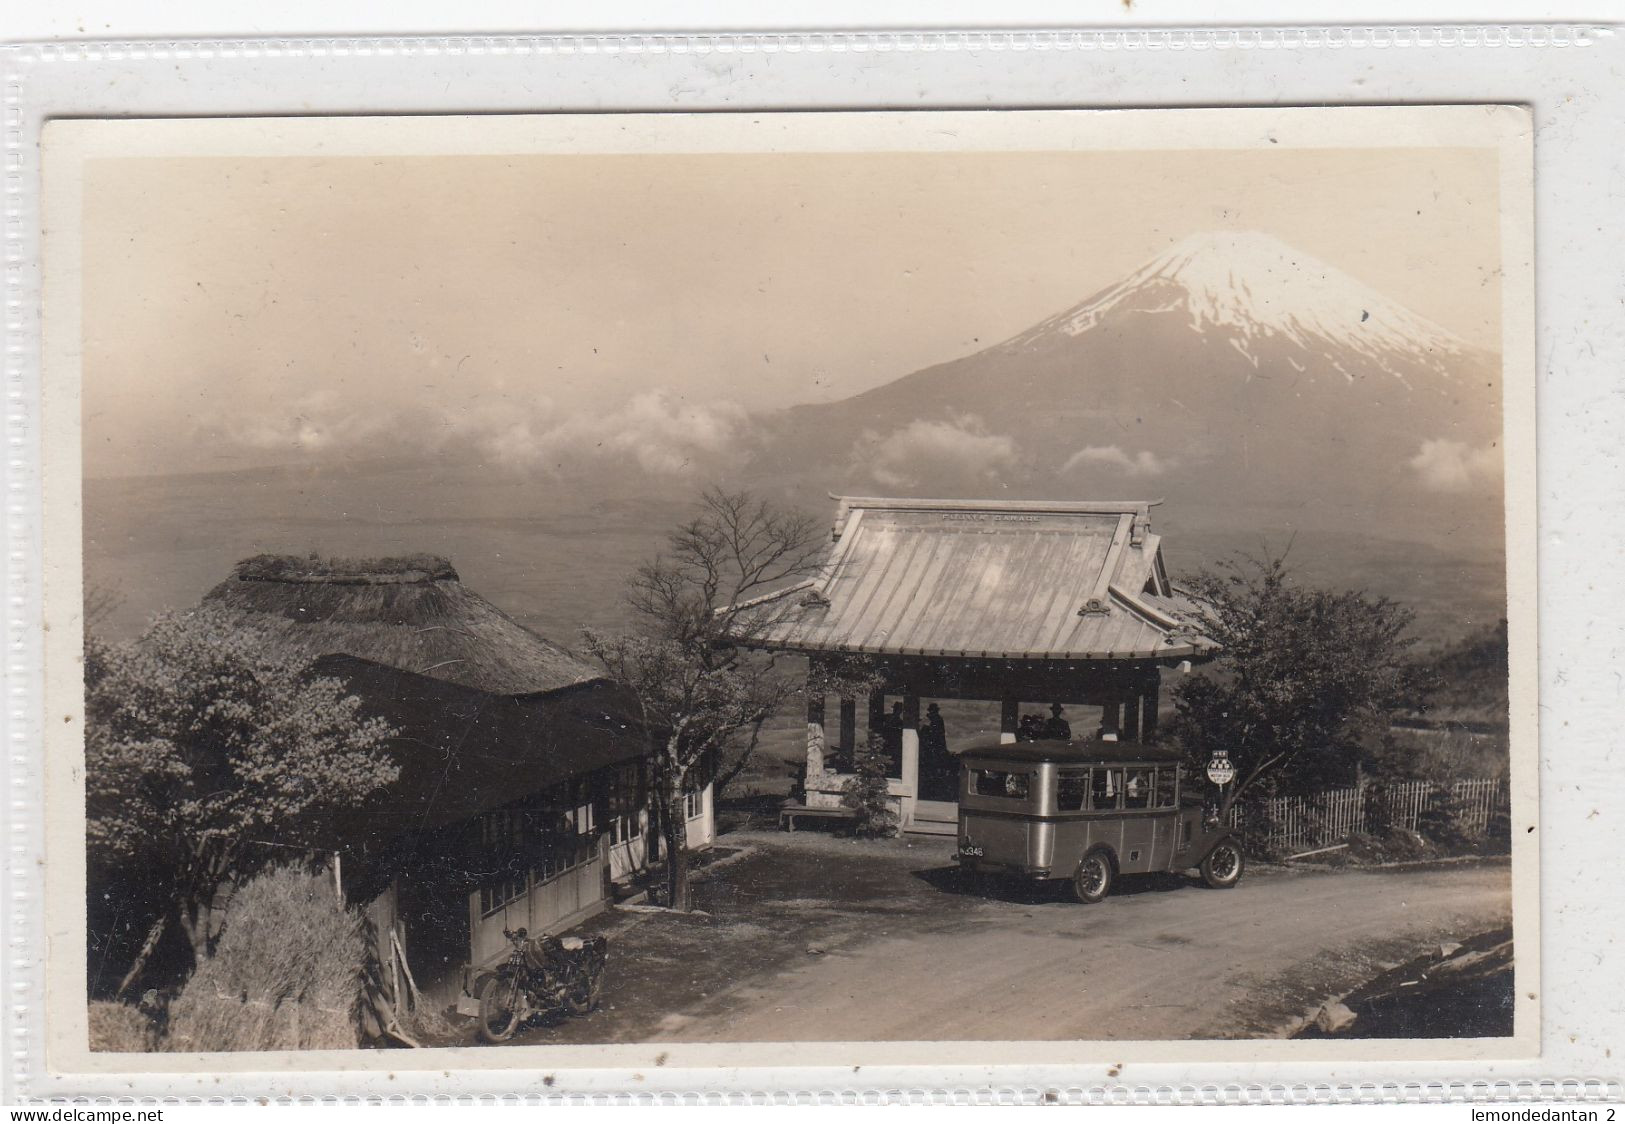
[1324, 819]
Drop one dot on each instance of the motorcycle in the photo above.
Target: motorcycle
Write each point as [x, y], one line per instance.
[541, 977]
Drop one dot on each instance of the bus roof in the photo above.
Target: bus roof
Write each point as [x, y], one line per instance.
[1080, 751]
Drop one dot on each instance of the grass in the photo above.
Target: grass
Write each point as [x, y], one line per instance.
[290, 567]
[1452, 754]
[287, 973]
[119, 1028]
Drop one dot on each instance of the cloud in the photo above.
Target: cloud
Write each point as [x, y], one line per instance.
[1454, 466]
[660, 435]
[943, 453]
[654, 432]
[316, 422]
[1143, 463]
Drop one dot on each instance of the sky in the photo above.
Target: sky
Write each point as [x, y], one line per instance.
[245, 312]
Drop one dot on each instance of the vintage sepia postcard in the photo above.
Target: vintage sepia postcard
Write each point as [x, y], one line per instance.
[627, 590]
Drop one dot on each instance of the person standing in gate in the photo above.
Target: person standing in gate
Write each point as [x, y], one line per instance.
[1057, 728]
[891, 734]
[937, 769]
[933, 734]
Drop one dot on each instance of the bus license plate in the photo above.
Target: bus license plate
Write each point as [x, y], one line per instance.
[970, 850]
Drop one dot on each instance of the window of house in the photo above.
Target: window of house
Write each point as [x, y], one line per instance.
[559, 843]
[1072, 786]
[624, 829]
[508, 886]
[624, 802]
[554, 834]
[503, 829]
[1137, 786]
[1167, 775]
[625, 789]
[693, 804]
[1105, 788]
[997, 782]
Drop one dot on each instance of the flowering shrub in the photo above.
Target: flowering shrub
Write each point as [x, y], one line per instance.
[198, 743]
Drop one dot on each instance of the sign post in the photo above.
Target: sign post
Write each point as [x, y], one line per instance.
[1219, 769]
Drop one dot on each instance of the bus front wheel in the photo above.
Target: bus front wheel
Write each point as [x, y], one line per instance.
[1092, 881]
[1222, 868]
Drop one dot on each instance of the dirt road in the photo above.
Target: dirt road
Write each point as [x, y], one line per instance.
[1152, 965]
[809, 938]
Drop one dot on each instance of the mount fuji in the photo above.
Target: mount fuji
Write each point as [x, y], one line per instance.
[1266, 396]
[1253, 287]
[1230, 370]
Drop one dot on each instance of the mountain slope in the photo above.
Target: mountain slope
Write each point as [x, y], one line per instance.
[1252, 286]
[1229, 370]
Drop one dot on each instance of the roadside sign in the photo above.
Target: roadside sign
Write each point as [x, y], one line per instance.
[1219, 769]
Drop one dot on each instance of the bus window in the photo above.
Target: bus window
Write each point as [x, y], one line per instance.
[1070, 789]
[1105, 788]
[1137, 789]
[1166, 775]
[992, 782]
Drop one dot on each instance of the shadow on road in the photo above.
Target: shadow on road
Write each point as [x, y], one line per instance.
[953, 880]
[1023, 891]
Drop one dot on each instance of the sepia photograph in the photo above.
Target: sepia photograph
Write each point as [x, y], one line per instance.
[644, 580]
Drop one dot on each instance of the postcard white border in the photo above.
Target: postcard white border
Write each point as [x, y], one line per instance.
[68, 144]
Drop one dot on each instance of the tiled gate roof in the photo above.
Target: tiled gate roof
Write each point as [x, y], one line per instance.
[1017, 580]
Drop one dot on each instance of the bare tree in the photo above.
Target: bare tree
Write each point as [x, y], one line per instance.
[101, 602]
[703, 692]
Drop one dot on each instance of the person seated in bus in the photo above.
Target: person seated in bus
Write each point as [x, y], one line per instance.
[1030, 728]
[1105, 786]
[1137, 789]
[1057, 728]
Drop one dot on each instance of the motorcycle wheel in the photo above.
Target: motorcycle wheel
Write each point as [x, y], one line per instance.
[582, 995]
[499, 1009]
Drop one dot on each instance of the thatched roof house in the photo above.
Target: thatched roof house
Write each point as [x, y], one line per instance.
[410, 613]
[488, 711]
[521, 784]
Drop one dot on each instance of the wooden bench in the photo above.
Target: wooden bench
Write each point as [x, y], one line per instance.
[789, 813]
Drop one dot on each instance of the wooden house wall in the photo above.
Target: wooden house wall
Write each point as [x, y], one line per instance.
[629, 849]
[436, 867]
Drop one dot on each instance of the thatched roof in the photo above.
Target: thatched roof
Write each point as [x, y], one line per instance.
[409, 613]
[462, 752]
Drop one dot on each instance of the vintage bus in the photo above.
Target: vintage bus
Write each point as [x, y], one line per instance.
[1087, 811]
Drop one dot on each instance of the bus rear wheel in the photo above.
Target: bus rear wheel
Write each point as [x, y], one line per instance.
[1092, 881]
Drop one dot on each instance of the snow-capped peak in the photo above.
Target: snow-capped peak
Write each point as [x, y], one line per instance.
[1252, 284]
